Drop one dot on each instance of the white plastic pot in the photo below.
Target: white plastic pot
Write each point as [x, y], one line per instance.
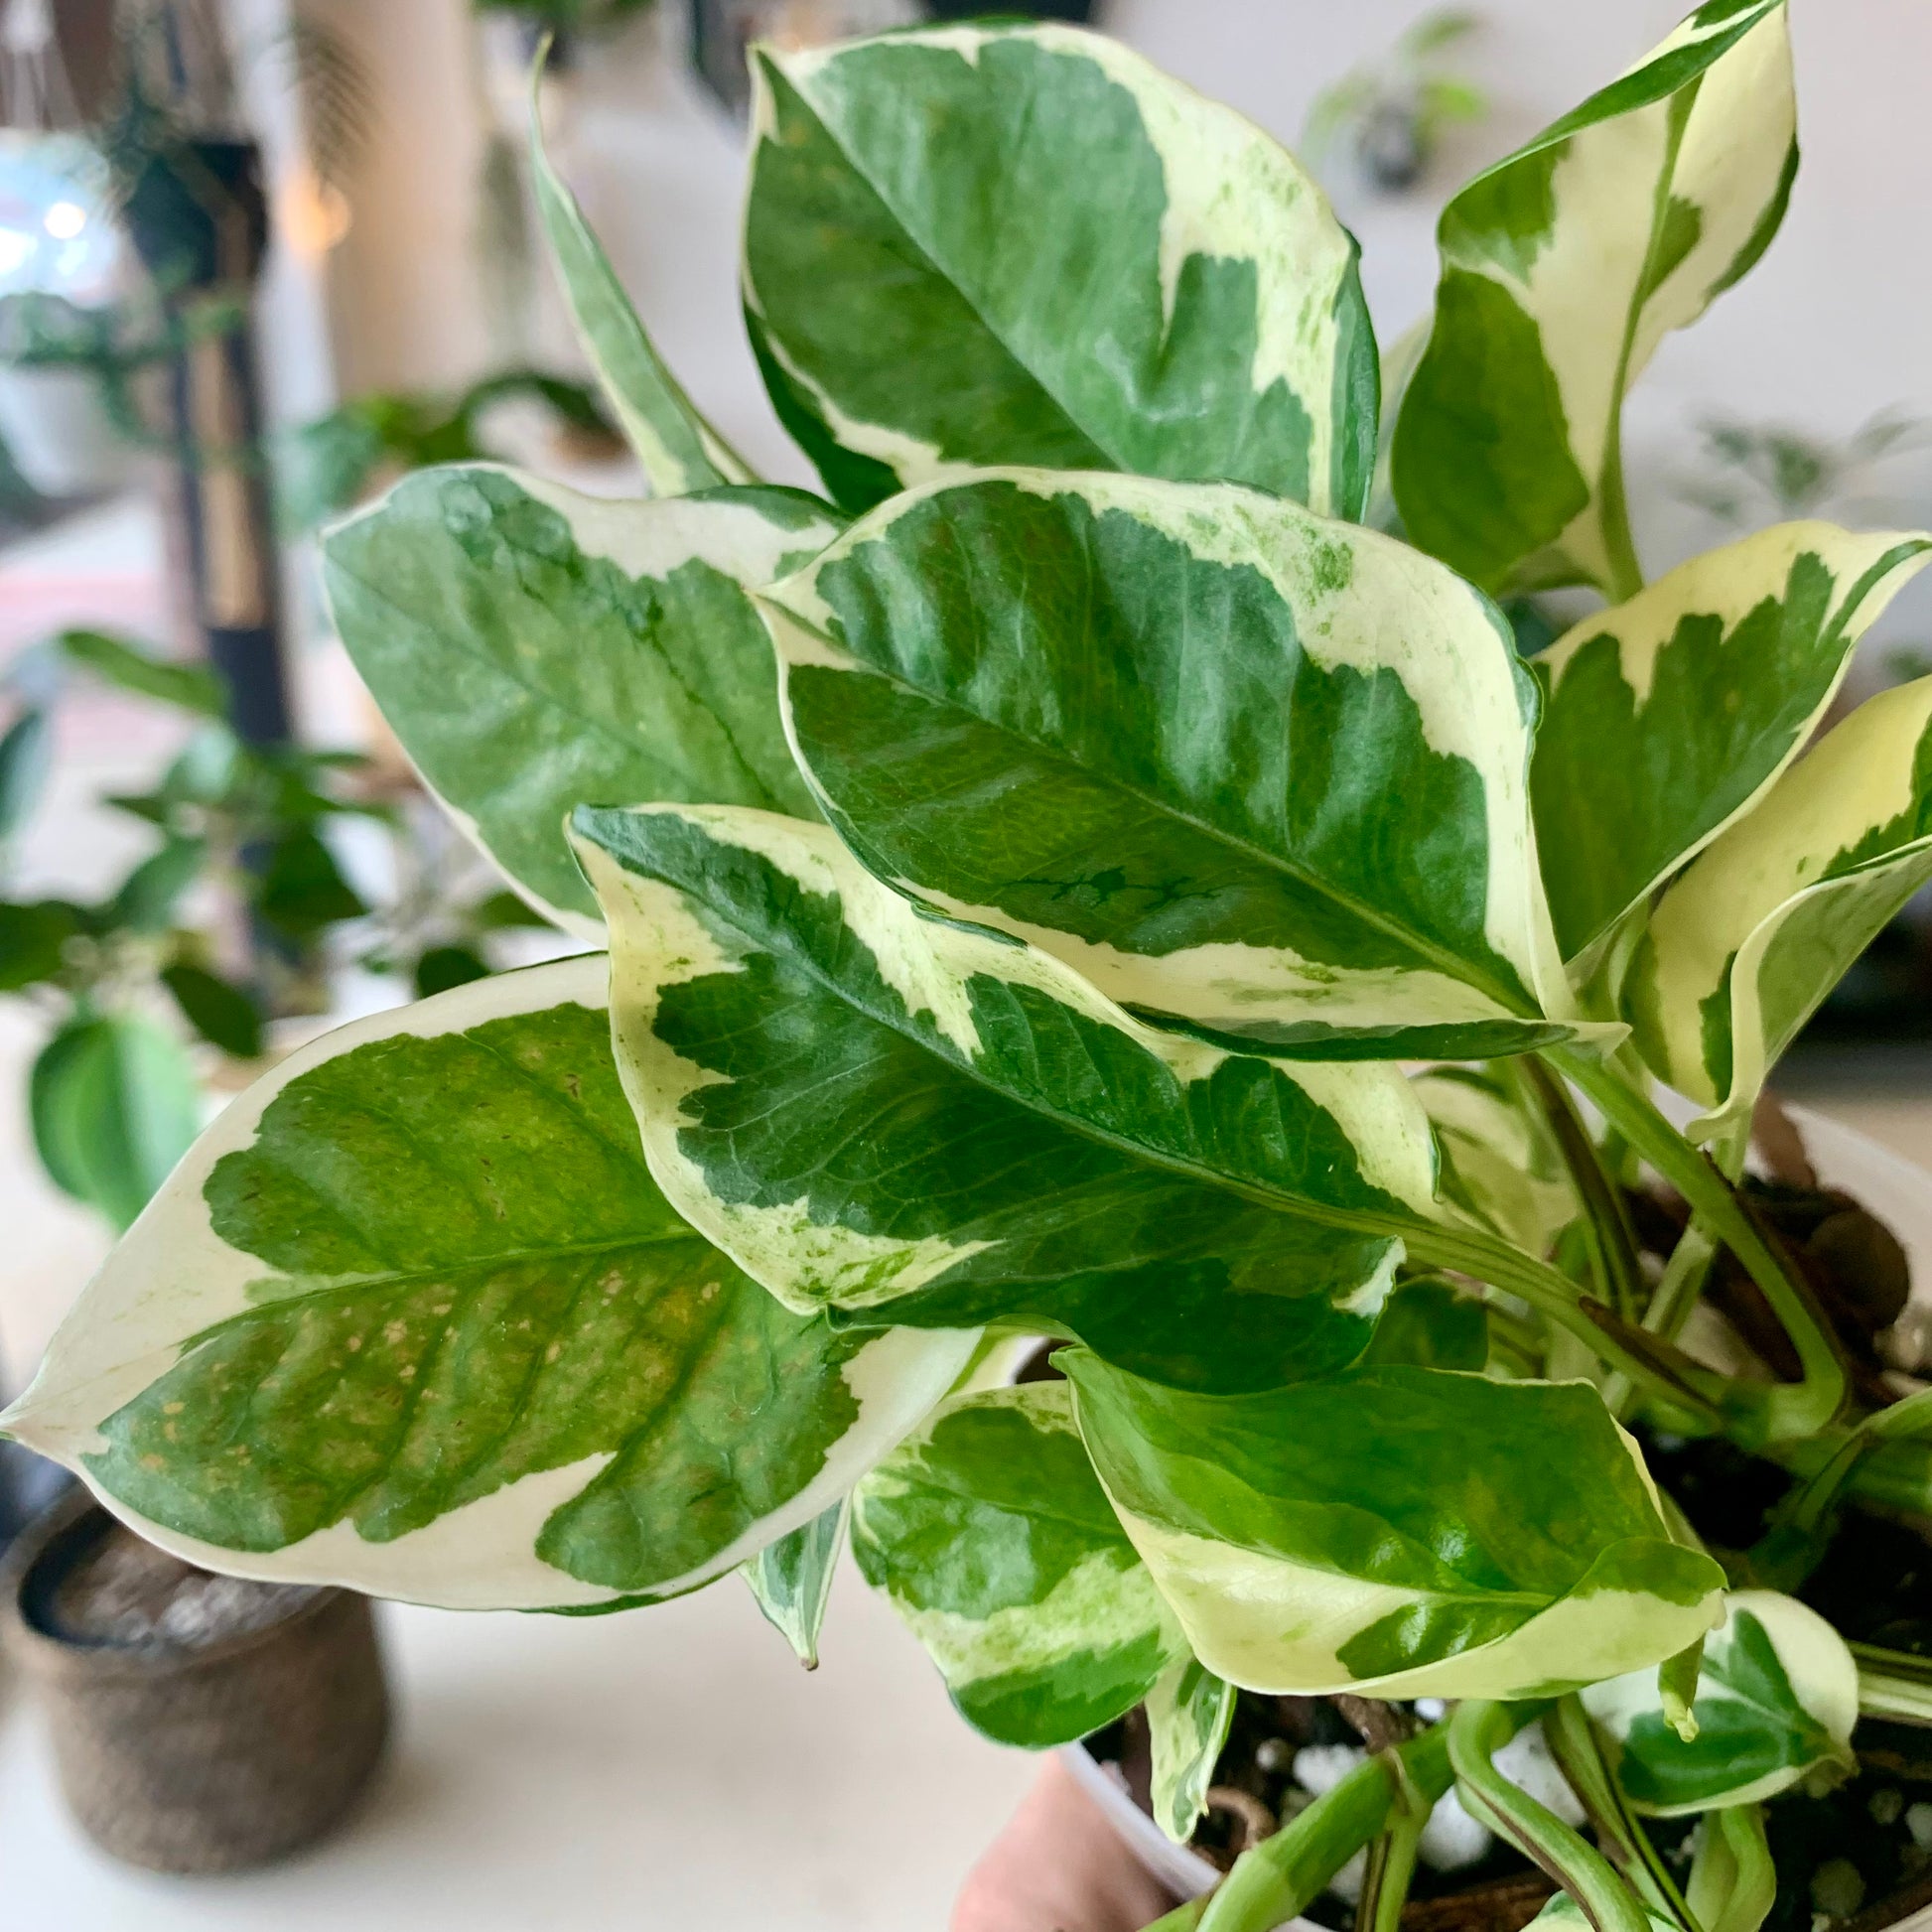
[1897, 1191]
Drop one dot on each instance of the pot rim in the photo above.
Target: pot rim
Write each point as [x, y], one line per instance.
[65, 1517]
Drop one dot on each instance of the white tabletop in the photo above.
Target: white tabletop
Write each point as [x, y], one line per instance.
[671, 1767]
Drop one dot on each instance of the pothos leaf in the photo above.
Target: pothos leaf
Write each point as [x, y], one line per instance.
[1003, 243]
[535, 650]
[1251, 771]
[1777, 1698]
[1667, 716]
[792, 1579]
[1564, 267]
[413, 1318]
[1188, 1712]
[1745, 944]
[1405, 1532]
[910, 1120]
[993, 1541]
[680, 451]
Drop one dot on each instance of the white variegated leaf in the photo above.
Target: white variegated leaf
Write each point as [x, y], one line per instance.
[412, 1317]
[1009, 243]
[679, 451]
[790, 1580]
[535, 650]
[1497, 1165]
[995, 1542]
[1188, 1711]
[1666, 717]
[1400, 1532]
[1777, 1698]
[1564, 267]
[901, 1116]
[1249, 770]
[1744, 945]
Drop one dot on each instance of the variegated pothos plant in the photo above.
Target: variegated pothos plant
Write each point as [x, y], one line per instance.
[1031, 874]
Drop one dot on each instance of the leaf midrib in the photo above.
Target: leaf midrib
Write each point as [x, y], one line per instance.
[929, 257]
[457, 642]
[1399, 1224]
[1433, 955]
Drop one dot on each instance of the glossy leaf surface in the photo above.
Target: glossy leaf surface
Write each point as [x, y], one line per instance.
[1777, 1698]
[1247, 770]
[1405, 1532]
[1564, 267]
[891, 1115]
[412, 1317]
[999, 243]
[1746, 943]
[535, 650]
[997, 1545]
[1668, 716]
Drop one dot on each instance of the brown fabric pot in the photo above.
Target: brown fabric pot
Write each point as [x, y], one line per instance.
[208, 1760]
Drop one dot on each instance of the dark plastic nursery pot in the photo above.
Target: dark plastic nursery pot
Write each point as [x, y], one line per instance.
[213, 1755]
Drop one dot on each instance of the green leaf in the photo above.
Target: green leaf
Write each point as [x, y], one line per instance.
[302, 888]
[1564, 267]
[1403, 1532]
[1430, 1324]
[114, 1104]
[1188, 1711]
[902, 1118]
[1666, 717]
[188, 687]
[999, 243]
[224, 1015]
[1777, 1697]
[442, 967]
[993, 1541]
[679, 451]
[412, 1317]
[792, 1579]
[26, 757]
[148, 896]
[535, 650]
[34, 934]
[1746, 943]
[1249, 770]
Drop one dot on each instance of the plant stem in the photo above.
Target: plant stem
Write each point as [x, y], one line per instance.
[1786, 1409]
[1801, 1526]
[1893, 1684]
[1272, 1881]
[1574, 1744]
[1183, 1918]
[1654, 1367]
[1475, 1732]
[1684, 1277]
[1391, 1866]
[1612, 1242]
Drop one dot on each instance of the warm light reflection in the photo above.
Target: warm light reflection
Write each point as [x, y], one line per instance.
[64, 220]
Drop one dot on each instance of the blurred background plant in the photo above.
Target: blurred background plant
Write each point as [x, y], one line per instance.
[325, 465]
[163, 986]
[1387, 118]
